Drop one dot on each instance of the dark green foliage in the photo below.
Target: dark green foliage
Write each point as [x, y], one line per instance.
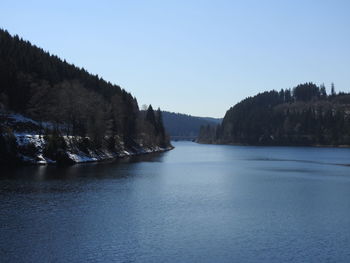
[308, 117]
[42, 86]
[306, 92]
[159, 123]
[55, 144]
[208, 134]
[182, 126]
[332, 90]
[23, 64]
[84, 145]
[8, 146]
[55, 149]
[155, 119]
[28, 149]
[150, 117]
[323, 92]
[153, 125]
[111, 143]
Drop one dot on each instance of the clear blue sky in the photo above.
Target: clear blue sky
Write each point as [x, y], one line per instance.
[195, 57]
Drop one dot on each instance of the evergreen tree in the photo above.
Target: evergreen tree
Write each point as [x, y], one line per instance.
[159, 123]
[265, 119]
[323, 91]
[44, 87]
[332, 90]
[287, 95]
[150, 117]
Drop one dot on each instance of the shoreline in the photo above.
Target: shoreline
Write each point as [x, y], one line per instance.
[25, 144]
[281, 145]
[119, 157]
[97, 158]
[86, 159]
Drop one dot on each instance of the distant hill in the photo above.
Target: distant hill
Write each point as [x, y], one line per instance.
[305, 115]
[185, 127]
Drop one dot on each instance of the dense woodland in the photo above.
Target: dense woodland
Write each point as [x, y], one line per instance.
[41, 86]
[304, 115]
[185, 127]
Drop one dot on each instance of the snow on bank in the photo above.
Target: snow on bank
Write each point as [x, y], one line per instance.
[102, 155]
[25, 139]
[32, 144]
[74, 154]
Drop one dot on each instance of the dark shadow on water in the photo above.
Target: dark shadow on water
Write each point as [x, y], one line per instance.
[52, 179]
[117, 168]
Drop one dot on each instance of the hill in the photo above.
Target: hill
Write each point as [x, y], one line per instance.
[71, 109]
[305, 115]
[185, 127]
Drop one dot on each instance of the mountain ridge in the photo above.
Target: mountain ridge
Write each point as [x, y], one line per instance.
[184, 126]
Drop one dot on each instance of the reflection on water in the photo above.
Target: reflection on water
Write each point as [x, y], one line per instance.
[197, 203]
[52, 172]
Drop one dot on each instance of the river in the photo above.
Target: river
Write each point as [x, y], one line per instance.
[196, 203]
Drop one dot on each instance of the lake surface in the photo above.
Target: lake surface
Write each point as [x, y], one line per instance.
[196, 203]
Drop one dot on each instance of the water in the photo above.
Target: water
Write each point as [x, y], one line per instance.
[197, 203]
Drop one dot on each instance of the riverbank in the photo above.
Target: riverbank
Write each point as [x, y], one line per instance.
[277, 145]
[24, 141]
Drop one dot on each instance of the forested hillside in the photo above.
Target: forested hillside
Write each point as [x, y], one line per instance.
[185, 127]
[46, 89]
[305, 115]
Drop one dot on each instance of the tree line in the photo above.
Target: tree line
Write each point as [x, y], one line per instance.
[41, 86]
[304, 115]
[182, 126]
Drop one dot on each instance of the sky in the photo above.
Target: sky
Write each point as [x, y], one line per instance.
[193, 57]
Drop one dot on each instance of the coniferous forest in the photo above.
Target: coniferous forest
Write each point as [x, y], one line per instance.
[65, 101]
[185, 127]
[74, 102]
[304, 115]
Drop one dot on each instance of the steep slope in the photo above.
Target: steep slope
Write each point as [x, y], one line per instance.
[74, 104]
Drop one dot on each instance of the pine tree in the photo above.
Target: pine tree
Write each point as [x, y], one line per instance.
[159, 123]
[323, 91]
[150, 117]
[332, 90]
